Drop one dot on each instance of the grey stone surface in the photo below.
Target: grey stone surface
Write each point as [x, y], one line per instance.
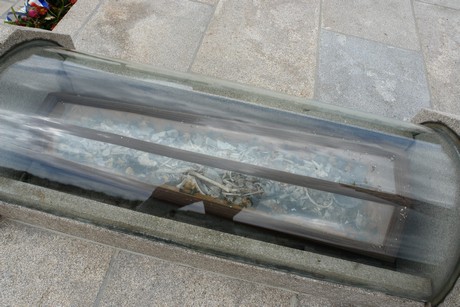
[263, 43]
[455, 4]
[211, 2]
[41, 268]
[163, 33]
[389, 21]
[5, 6]
[453, 122]
[140, 280]
[77, 17]
[13, 35]
[453, 298]
[371, 77]
[439, 30]
[325, 291]
[156, 282]
[210, 240]
[315, 301]
[5, 42]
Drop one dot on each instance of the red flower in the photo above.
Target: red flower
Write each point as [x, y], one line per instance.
[73, 1]
[32, 13]
[42, 11]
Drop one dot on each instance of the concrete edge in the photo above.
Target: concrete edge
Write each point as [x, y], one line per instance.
[452, 121]
[427, 115]
[191, 258]
[210, 241]
[11, 36]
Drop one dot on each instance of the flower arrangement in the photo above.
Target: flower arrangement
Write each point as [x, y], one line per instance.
[43, 14]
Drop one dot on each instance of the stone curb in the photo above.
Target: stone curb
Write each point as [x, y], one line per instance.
[11, 36]
[336, 293]
[450, 120]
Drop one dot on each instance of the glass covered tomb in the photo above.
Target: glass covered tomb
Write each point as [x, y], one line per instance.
[212, 154]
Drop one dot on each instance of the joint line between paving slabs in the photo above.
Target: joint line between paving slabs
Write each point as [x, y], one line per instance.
[202, 36]
[318, 43]
[438, 5]
[107, 277]
[425, 69]
[200, 2]
[87, 19]
[371, 40]
[12, 5]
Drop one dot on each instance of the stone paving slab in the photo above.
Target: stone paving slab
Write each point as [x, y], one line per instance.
[163, 33]
[39, 267]
[454, 4]
[210, 2]
[263, 43]
[371, 77]
[389, 21]
[156, 282]
[42, 268]
[5, 6]
[439, 29]
[77, 17]
[302, 285]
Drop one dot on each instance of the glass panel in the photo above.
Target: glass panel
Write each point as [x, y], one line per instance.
[163, 142]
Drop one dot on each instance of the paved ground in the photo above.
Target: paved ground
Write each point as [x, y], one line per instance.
[39, 267]
[42, 267]
[385, 57]
[388, 57]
